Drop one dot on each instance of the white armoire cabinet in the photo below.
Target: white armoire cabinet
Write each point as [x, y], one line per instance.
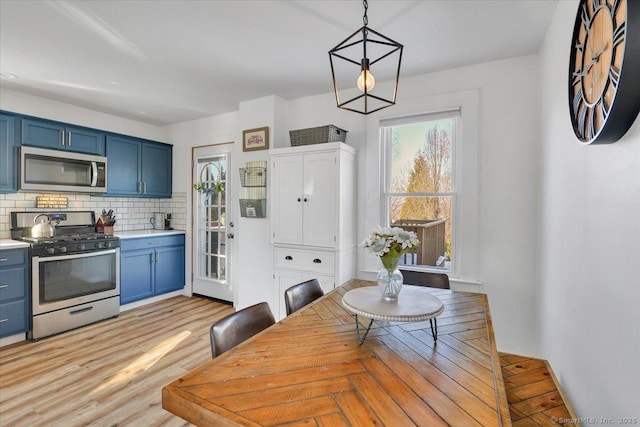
[313, 216]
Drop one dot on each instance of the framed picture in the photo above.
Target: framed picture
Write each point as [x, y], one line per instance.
[255, 139]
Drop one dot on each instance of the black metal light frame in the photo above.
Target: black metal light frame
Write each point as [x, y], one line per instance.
[365, 63]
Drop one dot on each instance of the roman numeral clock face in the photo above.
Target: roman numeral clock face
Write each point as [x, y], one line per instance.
[604, 69]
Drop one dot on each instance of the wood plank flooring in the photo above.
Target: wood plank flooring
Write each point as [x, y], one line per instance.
[535, 398]
[109, 373]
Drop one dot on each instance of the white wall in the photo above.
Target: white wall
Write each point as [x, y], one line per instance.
[508, 179]
[590, 248]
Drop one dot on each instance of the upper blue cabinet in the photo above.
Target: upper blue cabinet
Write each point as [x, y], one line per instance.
[60, 136]
[8, 154]
[138, 168]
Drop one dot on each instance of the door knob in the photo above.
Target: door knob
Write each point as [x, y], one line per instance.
[230, 235]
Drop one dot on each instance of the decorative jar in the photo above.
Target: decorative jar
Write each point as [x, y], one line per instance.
[390, 279]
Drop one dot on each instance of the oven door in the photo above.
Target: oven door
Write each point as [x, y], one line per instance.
[63, 281]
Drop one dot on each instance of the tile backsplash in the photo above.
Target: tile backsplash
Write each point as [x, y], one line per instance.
[131, 213]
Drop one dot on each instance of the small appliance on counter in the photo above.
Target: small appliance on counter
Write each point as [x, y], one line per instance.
[161, 221]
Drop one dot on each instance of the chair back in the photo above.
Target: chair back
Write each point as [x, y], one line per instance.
[302, 294]
[423, 278]
[239, 326]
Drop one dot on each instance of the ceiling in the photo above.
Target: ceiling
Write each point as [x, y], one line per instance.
[165, 62]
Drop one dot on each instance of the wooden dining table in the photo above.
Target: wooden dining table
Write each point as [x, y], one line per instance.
[308, 369]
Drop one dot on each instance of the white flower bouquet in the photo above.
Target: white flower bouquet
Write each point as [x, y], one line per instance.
[390, 243]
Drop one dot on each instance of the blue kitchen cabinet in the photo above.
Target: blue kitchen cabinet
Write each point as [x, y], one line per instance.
[136, 274]
[138, 168]
[151, 266]
[8, 154]
[61, 136]
[14, 292]
[170, 268]
[156, 169]
[123, 170]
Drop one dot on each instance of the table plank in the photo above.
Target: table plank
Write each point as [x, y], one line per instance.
[308, 369]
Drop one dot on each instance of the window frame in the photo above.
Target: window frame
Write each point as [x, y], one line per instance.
[466, 212]
[386, 194]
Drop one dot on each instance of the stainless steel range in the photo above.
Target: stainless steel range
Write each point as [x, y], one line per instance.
[75, 274]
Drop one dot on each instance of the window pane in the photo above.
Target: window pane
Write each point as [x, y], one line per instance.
[421, 157]
[430, 219]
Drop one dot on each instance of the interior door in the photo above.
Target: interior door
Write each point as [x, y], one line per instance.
[211, 252]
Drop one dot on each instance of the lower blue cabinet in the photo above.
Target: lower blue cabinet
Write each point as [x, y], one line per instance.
[14, 292]
[151, 266]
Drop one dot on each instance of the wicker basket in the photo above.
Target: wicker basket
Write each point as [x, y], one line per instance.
[318, 135]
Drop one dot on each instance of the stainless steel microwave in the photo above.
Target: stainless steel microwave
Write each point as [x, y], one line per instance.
[61, 171]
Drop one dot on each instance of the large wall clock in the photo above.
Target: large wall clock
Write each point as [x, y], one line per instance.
[604, 70]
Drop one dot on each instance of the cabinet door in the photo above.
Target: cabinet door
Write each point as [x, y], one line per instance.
[169, 269]
[136, 275]
[156, 170]
[320, 195]
[288, 202]
[284, 279]
[8, 154]
[41, 133]
[123, 169]
[83, 140]
[12, 318]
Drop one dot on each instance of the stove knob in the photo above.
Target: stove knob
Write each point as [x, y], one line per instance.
[108, 244]
[99, 245]
[62, 249]
[81, 247]
[50, 250]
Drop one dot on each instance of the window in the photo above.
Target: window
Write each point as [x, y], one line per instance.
[419, 191]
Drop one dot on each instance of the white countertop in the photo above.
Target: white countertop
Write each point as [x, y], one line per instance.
[132, 234]
[12, 244]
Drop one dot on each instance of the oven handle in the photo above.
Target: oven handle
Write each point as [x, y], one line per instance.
[72, 256]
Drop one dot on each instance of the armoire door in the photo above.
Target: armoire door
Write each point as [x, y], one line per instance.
[320, 200]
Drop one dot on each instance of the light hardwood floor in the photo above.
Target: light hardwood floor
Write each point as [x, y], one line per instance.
[109, 373]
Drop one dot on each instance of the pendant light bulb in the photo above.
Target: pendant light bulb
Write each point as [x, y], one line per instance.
[366, 78]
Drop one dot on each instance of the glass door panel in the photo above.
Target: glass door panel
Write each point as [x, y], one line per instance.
[210, 227]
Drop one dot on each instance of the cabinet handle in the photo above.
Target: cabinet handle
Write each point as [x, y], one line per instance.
[144, 187]
[4, 286]
[69, 139]
[288, 257]
[317, 261]
[3, 259]
[305, 199]
[299, 199]
[62, 138]
[157, 257]
[4, 320]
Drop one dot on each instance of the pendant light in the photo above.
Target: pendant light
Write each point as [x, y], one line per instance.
[356, 63]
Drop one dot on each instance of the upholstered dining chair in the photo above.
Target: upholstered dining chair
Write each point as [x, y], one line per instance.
[239, 326]
[423, 278]
[302, 294]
